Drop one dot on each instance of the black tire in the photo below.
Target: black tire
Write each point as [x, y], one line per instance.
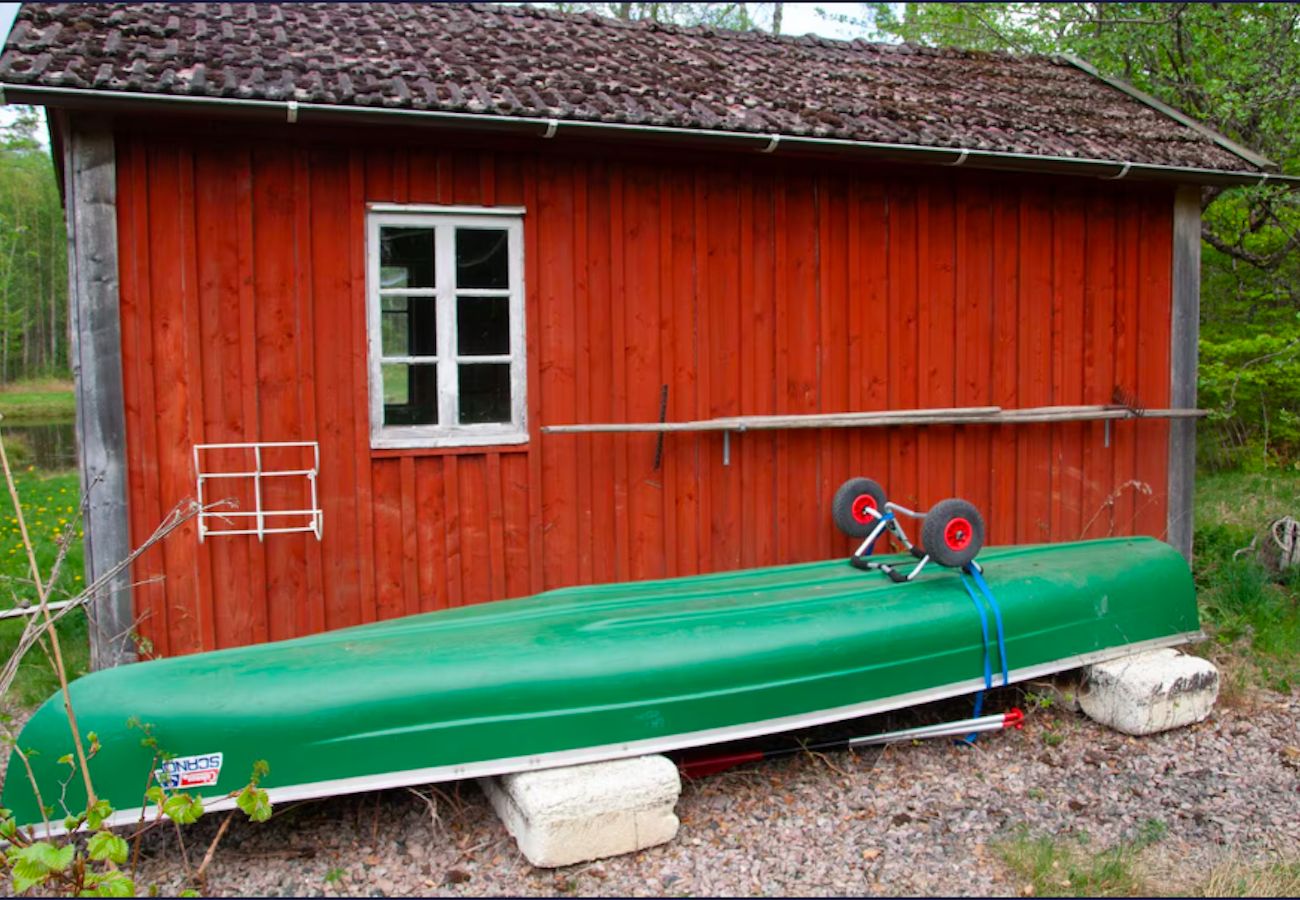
[953, 532]
[847, 506]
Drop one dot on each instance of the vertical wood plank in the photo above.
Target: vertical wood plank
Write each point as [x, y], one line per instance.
[1184, 329]
[903, 340]
[1154, 305]
[410, 536]
[596, 349]
[640, 298]
[558, 486]
[1128, 491]
[1033, 367]
[342, 424]
[496, 530]
[172, 390]
[1001, 518]
[358, 193]
[304, 272]
[149, 599]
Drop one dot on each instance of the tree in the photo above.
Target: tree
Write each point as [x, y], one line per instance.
[33, 255]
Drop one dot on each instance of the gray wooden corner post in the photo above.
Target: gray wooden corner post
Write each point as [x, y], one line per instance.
[1185, 326]
[90, 198]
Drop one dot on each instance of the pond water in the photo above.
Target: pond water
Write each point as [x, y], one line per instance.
[49, 446]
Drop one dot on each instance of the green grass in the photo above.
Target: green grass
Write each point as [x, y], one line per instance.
[45, 400]
[1048, 866]
[1253, 616]
[50, 502]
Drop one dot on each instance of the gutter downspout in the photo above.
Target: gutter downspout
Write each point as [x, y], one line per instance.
[550, 127]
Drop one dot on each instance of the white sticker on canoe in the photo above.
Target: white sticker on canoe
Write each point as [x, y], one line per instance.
[189, 771]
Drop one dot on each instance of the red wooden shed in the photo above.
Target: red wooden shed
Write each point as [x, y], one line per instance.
[413, 242]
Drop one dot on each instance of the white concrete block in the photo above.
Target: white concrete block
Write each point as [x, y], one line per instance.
[569, 815]
[1150, 692]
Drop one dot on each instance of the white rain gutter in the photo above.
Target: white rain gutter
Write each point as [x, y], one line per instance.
[293, 111]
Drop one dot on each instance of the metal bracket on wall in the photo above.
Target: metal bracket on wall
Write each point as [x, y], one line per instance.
[310, 520]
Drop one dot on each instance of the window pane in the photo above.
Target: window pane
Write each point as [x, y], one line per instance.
[484, 393]
[410, 394]
[406, 257]
[481, 258]
[408, 326]
[482, 325]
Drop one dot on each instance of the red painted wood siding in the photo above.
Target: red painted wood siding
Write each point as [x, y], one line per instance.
[747, 286]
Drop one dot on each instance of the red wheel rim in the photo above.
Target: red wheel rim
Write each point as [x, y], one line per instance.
[958, 533]
[864, 509]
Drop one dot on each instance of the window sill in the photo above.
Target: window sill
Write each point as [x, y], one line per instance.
[399, 452]
[383, 447]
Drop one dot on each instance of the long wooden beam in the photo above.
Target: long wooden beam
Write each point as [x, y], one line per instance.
[962, 415]
[90, 191]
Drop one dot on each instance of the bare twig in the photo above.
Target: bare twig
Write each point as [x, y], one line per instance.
[179, 515]
[212, 847]
[42, 594]
[31, 776]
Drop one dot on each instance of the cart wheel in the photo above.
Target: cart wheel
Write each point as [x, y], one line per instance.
[953, 532]
[857, 506]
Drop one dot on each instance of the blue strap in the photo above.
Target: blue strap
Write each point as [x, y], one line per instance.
[997, 617]
[988, 665]
[984, 626]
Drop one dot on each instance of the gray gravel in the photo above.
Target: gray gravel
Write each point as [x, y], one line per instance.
[917, 819]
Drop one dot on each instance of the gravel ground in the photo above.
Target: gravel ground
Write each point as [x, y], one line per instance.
[924, 818]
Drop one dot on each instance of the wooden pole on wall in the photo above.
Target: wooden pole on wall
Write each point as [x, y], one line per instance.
[90, 198]
[1184, 330]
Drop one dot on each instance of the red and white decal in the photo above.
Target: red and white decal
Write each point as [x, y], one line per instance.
[189, 771]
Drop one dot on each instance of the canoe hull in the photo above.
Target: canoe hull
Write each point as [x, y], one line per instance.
[600, 672]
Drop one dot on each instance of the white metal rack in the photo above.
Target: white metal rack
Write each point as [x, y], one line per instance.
[300, 521]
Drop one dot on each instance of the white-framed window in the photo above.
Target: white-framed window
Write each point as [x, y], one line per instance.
[445, 307]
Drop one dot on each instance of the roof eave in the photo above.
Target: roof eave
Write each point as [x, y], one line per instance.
[291, 111]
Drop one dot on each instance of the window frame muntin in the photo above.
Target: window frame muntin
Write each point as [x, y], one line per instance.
[448, 432]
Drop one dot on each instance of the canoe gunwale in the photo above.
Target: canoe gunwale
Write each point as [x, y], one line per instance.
[602, 753]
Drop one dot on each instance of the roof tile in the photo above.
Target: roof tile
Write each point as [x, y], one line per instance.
[521, 61]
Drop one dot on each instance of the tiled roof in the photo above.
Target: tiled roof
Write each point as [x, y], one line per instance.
[526, 62]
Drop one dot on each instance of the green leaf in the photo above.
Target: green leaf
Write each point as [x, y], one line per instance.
[8, 827]
[96, 815]
[255, 802]
[155, 795]
[33, 864]
[108, 884]
[65, 759]
[104, 845]
[188, 892]
[54, 859]
[25, 877]
[70, 823]
[183, 809]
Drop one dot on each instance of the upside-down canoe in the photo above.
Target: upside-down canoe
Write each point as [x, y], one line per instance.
[591, 673]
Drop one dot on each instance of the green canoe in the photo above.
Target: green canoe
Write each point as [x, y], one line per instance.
[592, 673]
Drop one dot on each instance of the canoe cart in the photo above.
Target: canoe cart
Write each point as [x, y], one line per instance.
[952, 531]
